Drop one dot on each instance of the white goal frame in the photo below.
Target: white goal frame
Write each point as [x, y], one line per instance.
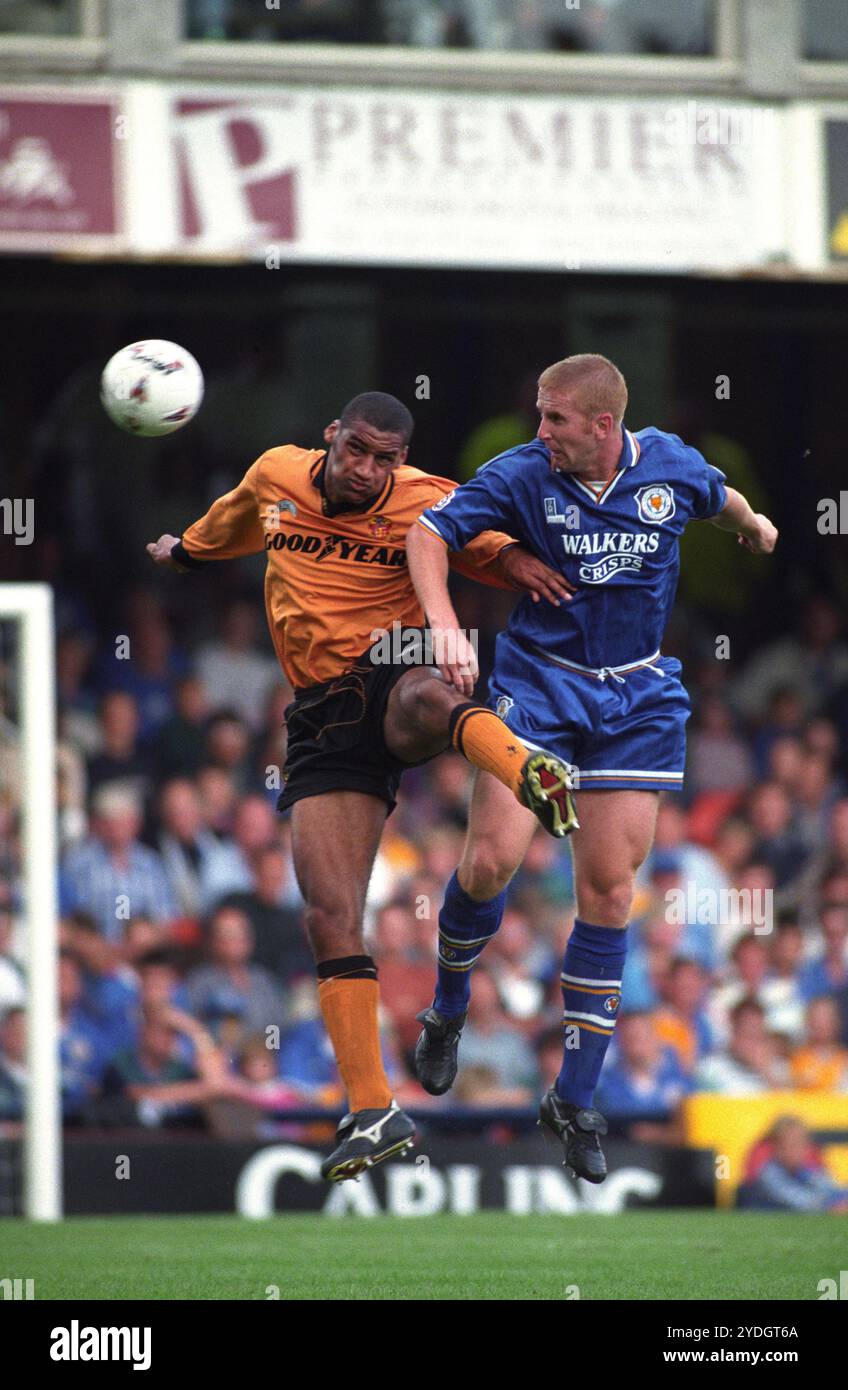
[31, 605]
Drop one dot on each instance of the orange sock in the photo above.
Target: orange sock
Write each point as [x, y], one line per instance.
[483, 738]
[349, 1010]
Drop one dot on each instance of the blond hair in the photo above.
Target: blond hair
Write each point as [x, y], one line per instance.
[596, 383]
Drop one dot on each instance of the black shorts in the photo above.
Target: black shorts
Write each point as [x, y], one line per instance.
[335, 736]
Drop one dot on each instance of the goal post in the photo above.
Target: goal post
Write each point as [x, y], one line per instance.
[30, 606]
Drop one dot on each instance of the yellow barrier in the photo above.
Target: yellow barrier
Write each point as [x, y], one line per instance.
[731, 1125]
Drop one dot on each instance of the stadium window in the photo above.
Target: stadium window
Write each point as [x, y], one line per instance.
[287, 21]
[46, 18]
[674, 27]
[825, 31]
[52, 18]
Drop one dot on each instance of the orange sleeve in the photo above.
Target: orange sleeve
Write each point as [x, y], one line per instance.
[481, 559]
[232, 526]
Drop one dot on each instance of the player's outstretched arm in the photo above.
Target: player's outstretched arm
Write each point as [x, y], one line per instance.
[427, 557]
[232, 527]
[755, 531]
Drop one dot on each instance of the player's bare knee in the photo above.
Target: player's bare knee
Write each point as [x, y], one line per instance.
[484, 872]
[428, 703]
[604, 903]
[332, 931]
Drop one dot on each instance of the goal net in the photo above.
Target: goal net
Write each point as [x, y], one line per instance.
[28, 876]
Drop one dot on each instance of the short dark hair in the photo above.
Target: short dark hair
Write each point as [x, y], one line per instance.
[381, 411]
[84, 921]
[225, 715]
[157, 956]
[681, 962]
[747, 1005]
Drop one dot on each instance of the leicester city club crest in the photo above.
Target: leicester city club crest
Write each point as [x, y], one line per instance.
[655, 503]
[503, 707]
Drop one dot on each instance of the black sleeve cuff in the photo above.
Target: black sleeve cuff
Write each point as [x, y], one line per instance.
[180, 555]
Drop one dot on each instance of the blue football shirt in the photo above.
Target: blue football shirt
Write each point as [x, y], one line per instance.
[618, 545]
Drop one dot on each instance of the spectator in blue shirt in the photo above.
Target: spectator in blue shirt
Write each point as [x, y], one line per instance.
[655, 942]
[306, 1056]
[109, 994]
[670, 885]
[307, 1063]
[147, 669]
[196, 862]
[828, 972]
[85, 1048]
[793, 1176]
[230, 983]
[113, 876]
[642, 1084]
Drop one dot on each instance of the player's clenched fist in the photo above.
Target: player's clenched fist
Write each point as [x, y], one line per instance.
[160, 552]
[761, 538]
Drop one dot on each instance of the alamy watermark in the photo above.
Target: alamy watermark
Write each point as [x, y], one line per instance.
[17, 1288]
[830, 1289]
[709, 124]
[415, 646]
[17, 518]
[751, 908]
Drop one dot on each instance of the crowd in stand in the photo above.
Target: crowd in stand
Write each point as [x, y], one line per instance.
[629, 26]
[187, 991]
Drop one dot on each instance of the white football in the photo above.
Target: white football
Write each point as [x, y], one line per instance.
[150, 388]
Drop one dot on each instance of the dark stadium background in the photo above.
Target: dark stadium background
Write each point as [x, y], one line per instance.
[474, 334]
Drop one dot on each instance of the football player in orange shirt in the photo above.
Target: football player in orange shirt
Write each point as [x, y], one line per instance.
[334, 523]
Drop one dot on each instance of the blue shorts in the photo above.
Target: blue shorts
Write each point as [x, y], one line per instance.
[621, 727]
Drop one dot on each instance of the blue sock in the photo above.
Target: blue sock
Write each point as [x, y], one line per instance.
[464, 928]
[591, 994]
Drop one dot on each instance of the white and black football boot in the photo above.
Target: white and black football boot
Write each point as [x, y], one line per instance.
[365, 1138]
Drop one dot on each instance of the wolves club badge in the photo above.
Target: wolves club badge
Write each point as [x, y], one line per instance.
[379, 527]
[655, 503]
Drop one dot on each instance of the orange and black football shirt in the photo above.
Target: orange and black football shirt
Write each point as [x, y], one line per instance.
[333, 577]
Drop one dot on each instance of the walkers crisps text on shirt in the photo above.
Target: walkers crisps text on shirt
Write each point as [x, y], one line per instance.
[620, 547]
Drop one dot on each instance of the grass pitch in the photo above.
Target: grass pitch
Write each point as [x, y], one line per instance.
[490, 1255]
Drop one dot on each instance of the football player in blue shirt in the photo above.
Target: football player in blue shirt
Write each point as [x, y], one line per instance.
[583, 678]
